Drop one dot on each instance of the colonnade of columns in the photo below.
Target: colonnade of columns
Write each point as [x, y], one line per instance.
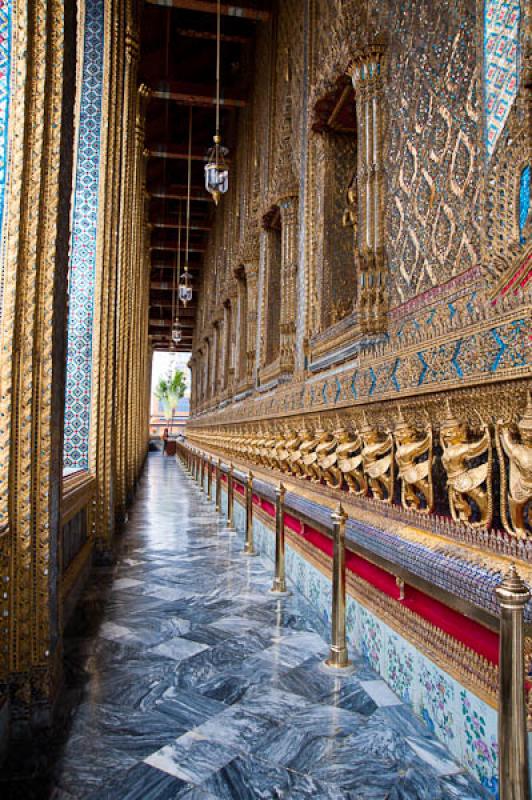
[33, 328]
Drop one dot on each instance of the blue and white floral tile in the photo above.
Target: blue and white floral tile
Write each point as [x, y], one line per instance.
[352, 622]
[400, 665]
[371, 642]
[480, 749]
[437, 703]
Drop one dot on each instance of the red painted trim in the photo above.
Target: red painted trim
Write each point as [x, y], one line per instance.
[464, 630]
[239, 488]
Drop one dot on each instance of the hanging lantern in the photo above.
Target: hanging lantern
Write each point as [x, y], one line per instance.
[177, 332]
[185, 287]
[217, 171]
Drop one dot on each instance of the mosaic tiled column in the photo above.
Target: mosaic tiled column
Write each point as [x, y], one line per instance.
[84, 237]
[140, 291]
[126, 276]
[289, 258]
[103, 434]
[368, 72]
[32, 355]
[252, 274]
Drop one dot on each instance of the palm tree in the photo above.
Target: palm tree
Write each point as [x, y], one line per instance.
[170, 390]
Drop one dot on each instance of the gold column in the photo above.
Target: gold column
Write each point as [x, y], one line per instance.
[230, 497]
[202, 472]
[249, 549]
[126, 275]
[279, 582]
[103, 428]
[252, 272]
[209, 479]
[32, 357]
[338, 655]
[367, 72]
[513, 595]
[218, 506]
[289, 260]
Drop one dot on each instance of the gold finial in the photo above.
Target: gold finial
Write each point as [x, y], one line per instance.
[449, 420]
[339, 424]
[365, 427]
[401, 423]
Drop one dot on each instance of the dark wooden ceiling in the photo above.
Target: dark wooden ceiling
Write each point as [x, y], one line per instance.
[178, 60]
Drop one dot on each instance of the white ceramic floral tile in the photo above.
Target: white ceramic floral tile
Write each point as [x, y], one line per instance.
[400, 664]
[479, 742]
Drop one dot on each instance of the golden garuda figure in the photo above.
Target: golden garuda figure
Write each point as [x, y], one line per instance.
[328, 461]
[253, 445]
[377, 458]
[322, 441]
[515, 443]
[278, 449]
[306, 452]
[293, 439]
[326, 457]
[413, 455]
[468, 464]
[295, 461]
[261, 449]
[349, 454]
[269, 448]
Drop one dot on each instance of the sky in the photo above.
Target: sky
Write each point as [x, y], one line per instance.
[163, 361]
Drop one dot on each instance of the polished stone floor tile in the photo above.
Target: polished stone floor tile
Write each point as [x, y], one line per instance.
[186, 680]
[192, 757]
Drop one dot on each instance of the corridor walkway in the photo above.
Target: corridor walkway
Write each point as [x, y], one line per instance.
[190, 681]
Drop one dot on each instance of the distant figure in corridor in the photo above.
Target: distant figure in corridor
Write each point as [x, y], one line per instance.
[165, 441]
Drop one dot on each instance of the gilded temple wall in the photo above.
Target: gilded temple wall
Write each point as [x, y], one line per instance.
[430, 227]
[389, 155]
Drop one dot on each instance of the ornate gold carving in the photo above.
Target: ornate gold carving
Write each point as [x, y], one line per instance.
[515, 442]
[413, 454]
[377, 457]
[469, 483]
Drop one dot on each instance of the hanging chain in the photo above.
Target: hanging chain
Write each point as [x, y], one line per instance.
[188, 184]
[218, 41]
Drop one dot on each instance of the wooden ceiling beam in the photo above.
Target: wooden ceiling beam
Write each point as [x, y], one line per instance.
[180, 193]
[156, 322]
[176, 151]
[190, 94]
[173, 248]
[191, 33]
[167, 224]
[237, 9]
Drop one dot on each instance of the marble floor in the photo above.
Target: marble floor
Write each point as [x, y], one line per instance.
[185, 679]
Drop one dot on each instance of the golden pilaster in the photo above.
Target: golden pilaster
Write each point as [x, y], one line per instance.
[249, 550]
[279, 582]
[230, 497]
[513, 595]
[218, 506]
[338, 655]
[209, 479]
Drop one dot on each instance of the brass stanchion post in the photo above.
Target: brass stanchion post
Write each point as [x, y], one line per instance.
[209, 479]
[513, 595]
[249, 550]
[230, 497]
[218, 505]
[338, 656]
[279, 581]
[202, 472]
